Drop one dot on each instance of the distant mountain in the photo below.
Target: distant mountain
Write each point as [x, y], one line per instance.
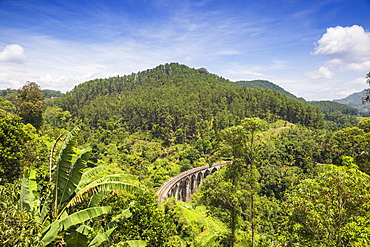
[331, 106]
[324, 106]
[355, 100]
[263, 84]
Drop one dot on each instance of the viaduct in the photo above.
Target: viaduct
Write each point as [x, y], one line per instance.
[185, 184]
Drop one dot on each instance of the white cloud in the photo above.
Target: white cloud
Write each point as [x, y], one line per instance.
[359, 82]
[13, 53]
[364, 66]
[322, 72]
[347, 50]
[346, 46]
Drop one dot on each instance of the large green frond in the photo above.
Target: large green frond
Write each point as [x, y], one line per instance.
[101, 237]
[53, 152]
[29, 194]
[111, 186]
[62, 168]
[74, 176]
[51, 231]
[76, 239]
[90, 175]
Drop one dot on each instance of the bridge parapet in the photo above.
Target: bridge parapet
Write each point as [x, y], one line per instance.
[183, 185]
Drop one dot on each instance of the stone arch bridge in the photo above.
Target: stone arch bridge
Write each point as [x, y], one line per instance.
[185, 184]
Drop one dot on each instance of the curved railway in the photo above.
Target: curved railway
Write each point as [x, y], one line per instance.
[183, 185]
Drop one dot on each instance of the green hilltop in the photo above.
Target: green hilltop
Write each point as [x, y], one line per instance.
[173, 96]
[263, 84]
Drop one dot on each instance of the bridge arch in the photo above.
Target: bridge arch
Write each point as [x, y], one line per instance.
[206, 173]
[185, 184]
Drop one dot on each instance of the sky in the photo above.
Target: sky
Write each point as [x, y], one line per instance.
[318, 50]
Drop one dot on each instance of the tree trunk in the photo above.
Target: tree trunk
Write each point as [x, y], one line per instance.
[253, 226]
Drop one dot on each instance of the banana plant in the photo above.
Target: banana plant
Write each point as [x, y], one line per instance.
[70, 184]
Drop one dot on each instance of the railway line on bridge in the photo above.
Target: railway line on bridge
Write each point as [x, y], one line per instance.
[183, 185]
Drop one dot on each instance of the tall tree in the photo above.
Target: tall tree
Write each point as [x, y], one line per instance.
[30, 104]
[235, 189]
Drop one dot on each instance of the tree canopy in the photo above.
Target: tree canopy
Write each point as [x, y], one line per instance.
[29, 104]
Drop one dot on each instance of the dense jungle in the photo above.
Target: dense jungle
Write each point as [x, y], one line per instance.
[82, 168]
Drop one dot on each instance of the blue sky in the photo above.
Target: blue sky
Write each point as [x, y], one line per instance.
[318, 50]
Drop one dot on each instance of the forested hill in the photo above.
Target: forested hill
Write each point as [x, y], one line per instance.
[355, 100]
[174, 98]
[324, 106]
[331, 106]
[263, 84]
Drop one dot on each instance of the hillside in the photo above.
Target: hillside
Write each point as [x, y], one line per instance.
[355, 100]
[174, 98]
[324, 106]
[332, 106]
[263, 84]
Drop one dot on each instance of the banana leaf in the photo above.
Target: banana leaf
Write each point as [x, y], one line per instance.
[29, 195]
[62, 169]
[51, 231]
[95, 188]
[74, 175]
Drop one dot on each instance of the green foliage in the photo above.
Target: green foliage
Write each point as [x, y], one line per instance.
[194, 225]
[365, 124]
[340, 120]
[235, 190]
[322, 210]
[6, 108]
[353, 142]
[147, 222]
[8, 94]
[56, 227]
[18, 228]
[288, 156]
[13, 140]
[29, 104]
[54, 120]
[61, 209]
